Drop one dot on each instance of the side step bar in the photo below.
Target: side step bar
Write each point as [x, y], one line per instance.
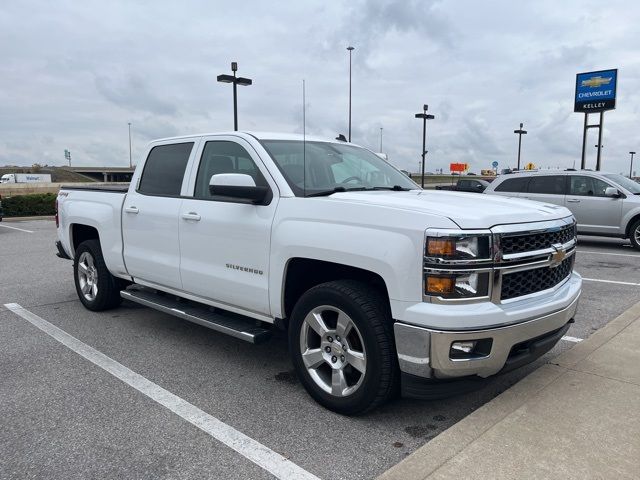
[232, 324]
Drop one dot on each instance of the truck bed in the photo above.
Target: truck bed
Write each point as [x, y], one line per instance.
[98, 188]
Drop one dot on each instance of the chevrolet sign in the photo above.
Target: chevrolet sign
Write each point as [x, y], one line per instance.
[596, 91]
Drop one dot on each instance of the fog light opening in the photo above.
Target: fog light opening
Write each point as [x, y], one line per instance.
[470, 349]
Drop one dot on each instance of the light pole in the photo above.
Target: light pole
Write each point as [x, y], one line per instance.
[236, 81]
[380, 139]
[424, 116]
[351, 49]
[130, 163]
[631, 166]
[520, 132]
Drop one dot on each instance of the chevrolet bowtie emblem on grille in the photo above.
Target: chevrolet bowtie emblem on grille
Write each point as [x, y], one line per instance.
[558, 256]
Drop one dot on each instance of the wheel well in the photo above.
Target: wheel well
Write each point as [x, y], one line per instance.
[630, 224]
[81, 233]
[304, 273]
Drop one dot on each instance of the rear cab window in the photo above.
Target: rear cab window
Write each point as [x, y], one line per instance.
[164, 170]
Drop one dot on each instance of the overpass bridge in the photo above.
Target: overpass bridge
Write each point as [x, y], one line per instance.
[105, 174]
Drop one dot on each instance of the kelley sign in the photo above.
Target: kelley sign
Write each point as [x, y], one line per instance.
[596, 91]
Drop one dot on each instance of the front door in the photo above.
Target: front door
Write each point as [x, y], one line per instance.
[225, 243]
[150, 217]
[594, 211]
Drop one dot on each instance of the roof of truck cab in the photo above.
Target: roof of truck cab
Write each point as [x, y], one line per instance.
[258, 136]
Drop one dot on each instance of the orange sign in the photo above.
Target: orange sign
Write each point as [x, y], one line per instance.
[458, 167]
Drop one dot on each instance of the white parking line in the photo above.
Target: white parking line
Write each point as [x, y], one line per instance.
[16, 228]
[610, 281]
[614, 254]
[571, 339]
[251, 449]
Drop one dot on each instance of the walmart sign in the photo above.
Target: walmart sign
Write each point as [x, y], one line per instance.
[596, 91]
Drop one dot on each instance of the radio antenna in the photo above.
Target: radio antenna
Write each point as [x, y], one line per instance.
[304, 142]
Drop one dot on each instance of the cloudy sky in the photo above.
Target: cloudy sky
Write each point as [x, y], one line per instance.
[74, 73]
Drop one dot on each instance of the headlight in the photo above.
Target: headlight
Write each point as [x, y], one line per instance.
[457, 265]
[450, 285]
[458, 247]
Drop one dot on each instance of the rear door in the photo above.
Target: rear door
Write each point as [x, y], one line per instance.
[225, 242]
[150, 217]
[594, 212]
[547, 188]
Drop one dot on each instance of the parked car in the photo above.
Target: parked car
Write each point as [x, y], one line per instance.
[466, 185]
[604, 204]
[382, 287]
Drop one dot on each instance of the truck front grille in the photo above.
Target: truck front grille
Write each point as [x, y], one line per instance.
[531, 281]
[528, 242]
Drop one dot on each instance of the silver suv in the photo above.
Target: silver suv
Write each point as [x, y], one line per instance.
[604, 204]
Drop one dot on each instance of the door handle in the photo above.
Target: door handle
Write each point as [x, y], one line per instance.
[573, 200]
[191, 216]
[131, 209]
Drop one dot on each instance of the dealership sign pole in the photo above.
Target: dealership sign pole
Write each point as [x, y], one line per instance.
[595, 93]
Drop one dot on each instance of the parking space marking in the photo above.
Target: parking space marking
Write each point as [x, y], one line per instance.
[264, 457]
[16, 228]
[607, 253]
[617, 282]
[571, 339]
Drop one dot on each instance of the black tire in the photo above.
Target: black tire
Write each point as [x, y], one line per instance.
[370, 314]
[108, 286]
[634, 235]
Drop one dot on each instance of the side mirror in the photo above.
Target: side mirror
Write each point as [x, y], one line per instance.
[611, 192]
[239, 186]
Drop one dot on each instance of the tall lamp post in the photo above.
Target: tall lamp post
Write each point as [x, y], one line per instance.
[631, 166]
[424, 116]
[380, 139]
[236, 81]
[520, 132]
[351, 49]
[130, 163]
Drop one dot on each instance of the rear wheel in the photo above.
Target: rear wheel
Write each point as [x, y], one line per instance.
[634, 235]
[342, 347]
[97, 289]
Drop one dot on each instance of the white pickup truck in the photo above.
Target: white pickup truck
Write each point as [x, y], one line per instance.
[383, 287]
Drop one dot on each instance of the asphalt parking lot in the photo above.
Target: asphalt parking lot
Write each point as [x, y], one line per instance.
[64, 417]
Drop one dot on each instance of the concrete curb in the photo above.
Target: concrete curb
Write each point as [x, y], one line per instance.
[428, 458]
[28, 219]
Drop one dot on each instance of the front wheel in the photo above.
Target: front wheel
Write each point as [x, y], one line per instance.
[634, 235]
[342, 346]
[97, 289]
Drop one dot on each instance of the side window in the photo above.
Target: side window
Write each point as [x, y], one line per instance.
[164, 169]
[587, 186]
[515, 185]
[548, 184]
[224, 157]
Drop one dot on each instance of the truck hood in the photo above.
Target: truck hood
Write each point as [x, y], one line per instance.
[467, 210]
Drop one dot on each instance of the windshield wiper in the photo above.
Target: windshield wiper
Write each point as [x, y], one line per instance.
[395, 188]
[325, 193]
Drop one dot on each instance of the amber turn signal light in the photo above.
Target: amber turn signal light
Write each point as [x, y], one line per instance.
[445, 247]
[439, 285]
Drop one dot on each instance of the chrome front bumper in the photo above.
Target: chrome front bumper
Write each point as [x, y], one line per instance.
[425, 352]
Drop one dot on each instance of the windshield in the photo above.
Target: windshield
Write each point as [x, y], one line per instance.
[624, 182]
[332, 166]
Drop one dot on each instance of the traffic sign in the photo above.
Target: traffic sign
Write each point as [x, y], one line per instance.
[494, 164]
[530, 166]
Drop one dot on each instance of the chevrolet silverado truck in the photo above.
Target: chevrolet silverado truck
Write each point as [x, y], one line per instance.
[383, 288]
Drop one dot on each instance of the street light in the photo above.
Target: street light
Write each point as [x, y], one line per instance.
[380, 139]
[424, 116]
[351, 49]
[130, 163]
[631, 166]
[236, 81]
[520, 132]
